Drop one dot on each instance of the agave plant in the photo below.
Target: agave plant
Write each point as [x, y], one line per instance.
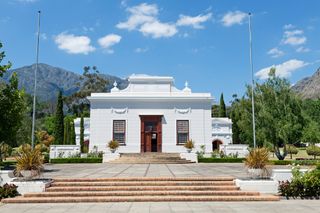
[29, 159]
[257, 158]
[113, 145]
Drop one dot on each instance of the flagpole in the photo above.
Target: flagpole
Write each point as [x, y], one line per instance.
[252, 84]
[35, 83]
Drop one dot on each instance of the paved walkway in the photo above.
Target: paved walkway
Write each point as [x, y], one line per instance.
[145, 170]
[292, 206]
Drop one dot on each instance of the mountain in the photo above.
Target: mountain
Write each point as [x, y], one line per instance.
[309, 87]
[52, 79]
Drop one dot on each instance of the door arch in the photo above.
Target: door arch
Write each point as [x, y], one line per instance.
[216, 144]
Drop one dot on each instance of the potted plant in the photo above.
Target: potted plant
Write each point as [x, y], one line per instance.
[256, 161]
[113, 145]
[29, 161]
[189, 145]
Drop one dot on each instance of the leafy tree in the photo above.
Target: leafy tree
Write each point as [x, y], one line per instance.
[44, 138]
[215, 111]
[59, 121]
[313, 150]
[222, 107]
[73, 133]
[12, 106]
[82, 134]
[69, 134]
[311, 133]
[49, 124]
[292, 150]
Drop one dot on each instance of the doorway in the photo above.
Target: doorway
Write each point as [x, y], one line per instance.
[151, 130]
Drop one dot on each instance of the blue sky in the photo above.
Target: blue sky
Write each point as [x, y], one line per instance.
[204, 42]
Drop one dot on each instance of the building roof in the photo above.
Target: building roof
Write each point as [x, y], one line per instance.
[150, 87]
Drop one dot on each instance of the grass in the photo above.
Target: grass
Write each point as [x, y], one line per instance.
[301, 154]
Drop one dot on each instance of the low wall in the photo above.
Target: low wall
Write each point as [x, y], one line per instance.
[107, 157]
[63, 151]
[262, 186]
[31, 186]
[189, 156]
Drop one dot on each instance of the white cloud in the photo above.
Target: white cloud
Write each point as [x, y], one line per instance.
[294, 37]
[43, 36]
[302, 50]
[141, 50]
[283, 70]
[194, 21]
[139, 15]
[157, 29]
[74, 44]
[233, 17]
[288, 26]
[275, 52]
[109, 40]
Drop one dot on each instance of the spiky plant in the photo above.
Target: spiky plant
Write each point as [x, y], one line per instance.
[30, 159]
[189, 144]
[257, 158]
[113, 144]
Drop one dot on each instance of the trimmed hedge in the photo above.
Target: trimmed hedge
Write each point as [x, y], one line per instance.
[76, 160]
[300, 162]
[220, 160]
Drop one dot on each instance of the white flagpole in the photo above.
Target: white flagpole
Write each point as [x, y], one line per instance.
[252, 85]
[35, 83]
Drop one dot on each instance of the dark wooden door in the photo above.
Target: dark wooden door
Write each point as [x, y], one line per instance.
[151, 133]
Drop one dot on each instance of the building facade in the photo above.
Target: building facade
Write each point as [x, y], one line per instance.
[152, 115]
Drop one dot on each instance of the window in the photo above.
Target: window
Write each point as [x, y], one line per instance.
[182, 131]
[119, 131]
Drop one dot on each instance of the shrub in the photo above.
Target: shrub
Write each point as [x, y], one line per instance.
[8, 190]
[30, 159]
[288, 162]
[76, 160]
[202, 151]
[220, 160]
[313, 150]
[113, 145]
[292, 150]
[257, 158]
[189, 144]
[302, 185]
[95, 154]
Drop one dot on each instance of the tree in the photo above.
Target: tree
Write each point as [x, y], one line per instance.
[59, 121]
[73, 133]
[313, 150]
[292, 150]
[82, 134]
[44, 138]
[215, 111]
[222, 107]
[311, 133]
[12, 106]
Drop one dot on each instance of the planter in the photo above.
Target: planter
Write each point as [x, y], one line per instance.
[113, 150]
[189, 150]
[29, 174]
[255, 173]
[6, 176]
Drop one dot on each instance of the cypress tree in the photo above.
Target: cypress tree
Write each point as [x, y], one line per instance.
[59, 121]
[222, 109]
[72, 133]
[66, 131]
[82, 133]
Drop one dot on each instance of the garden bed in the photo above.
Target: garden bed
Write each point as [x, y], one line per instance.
[220, 160]
[76, 160]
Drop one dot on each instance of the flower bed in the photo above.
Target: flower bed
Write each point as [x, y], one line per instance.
[76, 160]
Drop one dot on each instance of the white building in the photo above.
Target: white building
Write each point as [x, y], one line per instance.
[152, 115]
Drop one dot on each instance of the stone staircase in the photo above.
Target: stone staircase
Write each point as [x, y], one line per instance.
[141, 189]
[151, 158]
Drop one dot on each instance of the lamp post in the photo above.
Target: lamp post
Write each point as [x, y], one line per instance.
[252, 84]
[35, 83]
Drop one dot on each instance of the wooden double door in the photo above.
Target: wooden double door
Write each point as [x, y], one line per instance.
[151, 133]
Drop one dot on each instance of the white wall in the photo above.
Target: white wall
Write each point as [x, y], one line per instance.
[103, 112]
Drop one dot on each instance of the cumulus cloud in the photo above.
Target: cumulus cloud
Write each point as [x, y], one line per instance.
[157, 29]
[193, 21]
[302, 50]
[233, 17]
[275, 52]
[144, 18]
[294, 37]
[288, 26]
[109, 40]
[74, 44]
[283, 70]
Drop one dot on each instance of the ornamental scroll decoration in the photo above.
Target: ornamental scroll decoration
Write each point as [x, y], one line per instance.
[182, 111]
[119, 111]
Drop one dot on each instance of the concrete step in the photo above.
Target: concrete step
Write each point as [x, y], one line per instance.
[141, 188]
[140, 193]
[137, 199]
[195, 178]
[145, 183]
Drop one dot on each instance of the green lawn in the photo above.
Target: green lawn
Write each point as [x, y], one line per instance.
[301, 154]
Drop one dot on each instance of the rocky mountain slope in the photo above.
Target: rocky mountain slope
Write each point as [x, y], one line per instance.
[309, 88]
[52, 79]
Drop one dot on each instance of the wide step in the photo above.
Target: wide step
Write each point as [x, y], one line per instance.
[137, 199]
[141, 189]
[151, 158]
